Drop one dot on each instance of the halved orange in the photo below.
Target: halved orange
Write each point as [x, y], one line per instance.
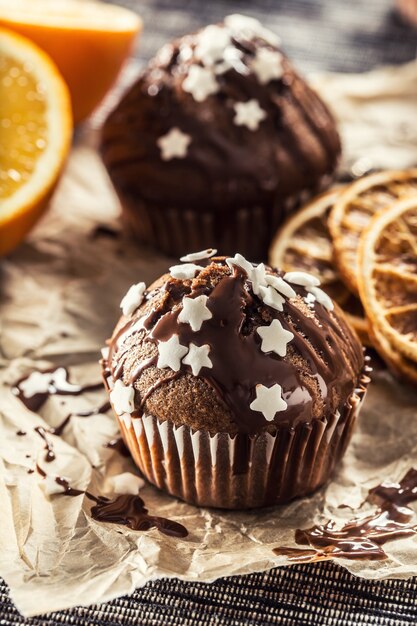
[388, 275]
[355, 207]
[36, 132]
[304, 242]
[88, 41]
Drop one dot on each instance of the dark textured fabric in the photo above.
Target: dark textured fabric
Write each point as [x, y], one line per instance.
[341, 35]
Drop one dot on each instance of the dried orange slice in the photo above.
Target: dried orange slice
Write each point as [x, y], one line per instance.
[355, 207]
[87, 40]
[398, 364]
[304, 242]
[35, 131]
[388, 275]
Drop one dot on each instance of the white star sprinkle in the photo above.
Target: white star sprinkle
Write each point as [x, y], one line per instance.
[248, 114]
[211, 44]
[198, 357]
[274, 338]
[194, 312]
[280, 285]
[268, 401]
[185, 271]
[199, 256]
[258, 278]
[170, 353]
[267, 65]
[271, 298]
[200, 83]
[242, 25]
[37, 382]
[239, 261]
[122, 398]
[133, 299]
[302, 278]
[174, 144]
[322, 298]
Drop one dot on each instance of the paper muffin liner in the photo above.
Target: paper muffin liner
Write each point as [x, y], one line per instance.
[247, 230]
[242, 471]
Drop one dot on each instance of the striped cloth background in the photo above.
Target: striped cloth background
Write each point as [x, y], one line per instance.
[340, 35]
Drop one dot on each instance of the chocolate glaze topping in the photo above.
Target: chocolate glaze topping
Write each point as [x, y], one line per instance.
[227, 166]
[362, 538]
[318, 374]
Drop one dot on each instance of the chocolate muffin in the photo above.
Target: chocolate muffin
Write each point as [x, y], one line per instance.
[235, 386]
[217, 140]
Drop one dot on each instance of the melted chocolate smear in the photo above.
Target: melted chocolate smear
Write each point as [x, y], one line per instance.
[118, 445]
[362, 538]
[130, 511]
[49, 447]
[105, 231]
[58, 385]
[58, 430]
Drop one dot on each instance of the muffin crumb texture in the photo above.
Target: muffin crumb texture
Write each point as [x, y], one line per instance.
[233, 348]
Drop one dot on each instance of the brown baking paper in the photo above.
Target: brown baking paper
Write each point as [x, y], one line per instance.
[60, 295]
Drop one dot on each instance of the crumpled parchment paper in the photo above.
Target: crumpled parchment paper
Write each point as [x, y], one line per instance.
[60, 295]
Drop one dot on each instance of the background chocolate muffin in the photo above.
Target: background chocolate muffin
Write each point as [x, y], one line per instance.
[234, 386]
[217, 140]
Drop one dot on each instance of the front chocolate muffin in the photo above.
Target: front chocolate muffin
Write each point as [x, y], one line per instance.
[234, 386]
[217, 140]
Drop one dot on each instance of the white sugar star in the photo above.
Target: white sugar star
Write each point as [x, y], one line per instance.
[258, 278]
[302, 278]
[211, 43]
[267, 65]
[37, 382]
[322, 297]
[248, 114]
[199, 256]
[268, 401]
[200, 83]
[174, 144]
[280, 285]
[185, 271]
[194, 312]
[274, 338]
[242, 25]
[170, 353]
[239, 261]
[271, 297]
[122, 398]
[133, 299]
[198, 357]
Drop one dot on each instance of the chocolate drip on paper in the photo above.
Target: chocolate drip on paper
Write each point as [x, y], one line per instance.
[125, 509]
[56, 387]
[118, 445]
[130, 511]
[58, 430]
[49, 446]
[320, 338]
[362, 538]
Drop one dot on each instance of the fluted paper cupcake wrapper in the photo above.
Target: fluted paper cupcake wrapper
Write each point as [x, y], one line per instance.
[176, 231]
[243, 471]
